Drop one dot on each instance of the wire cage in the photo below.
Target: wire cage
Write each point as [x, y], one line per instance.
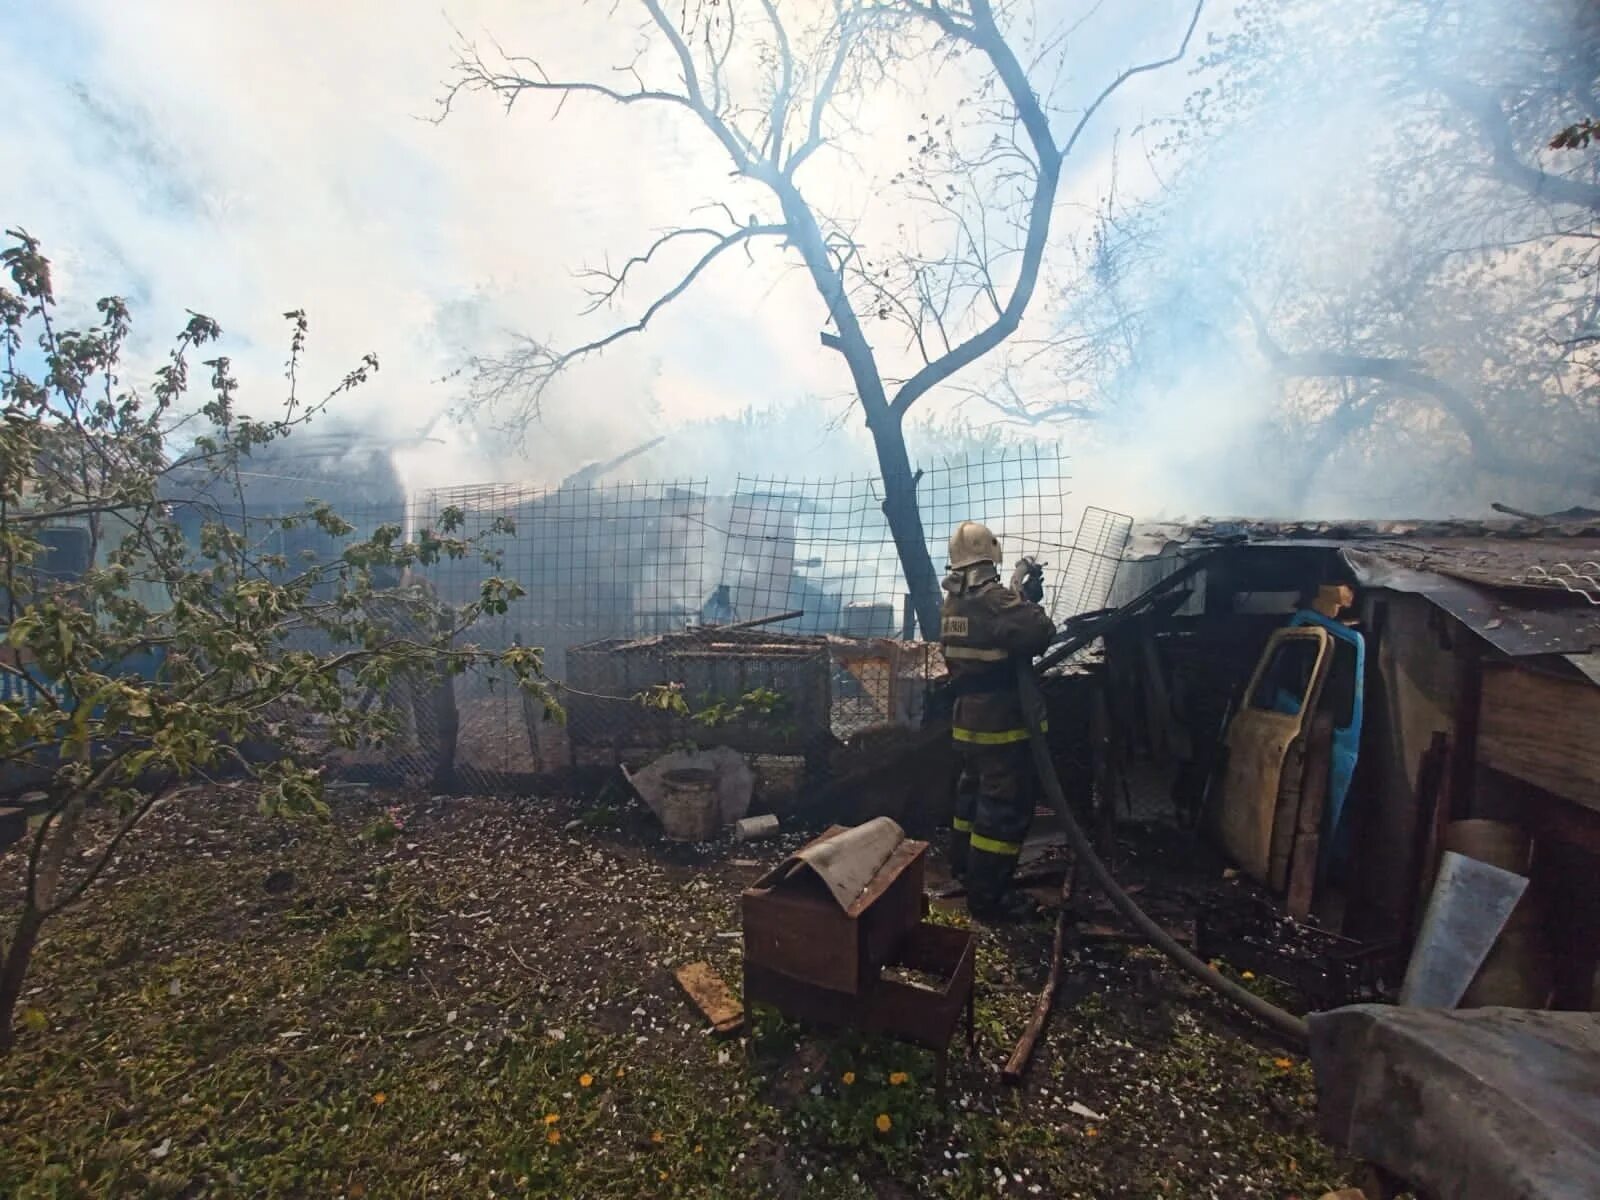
[755, 692]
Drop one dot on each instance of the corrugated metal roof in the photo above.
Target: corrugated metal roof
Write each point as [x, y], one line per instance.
[1517, 621]
[1575, 523]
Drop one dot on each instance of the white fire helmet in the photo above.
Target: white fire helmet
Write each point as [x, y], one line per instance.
[972, 543]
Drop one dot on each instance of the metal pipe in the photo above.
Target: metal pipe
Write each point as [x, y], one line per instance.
[773, 619]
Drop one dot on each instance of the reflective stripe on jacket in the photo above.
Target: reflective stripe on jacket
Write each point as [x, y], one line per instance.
[983, 626]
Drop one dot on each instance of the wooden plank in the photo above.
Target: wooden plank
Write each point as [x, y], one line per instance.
[1433, 813]
[1157, 705]
[1543, 730]
[1301, 870]
[711, 996]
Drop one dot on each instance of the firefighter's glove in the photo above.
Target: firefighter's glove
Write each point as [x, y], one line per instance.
[1027, 580]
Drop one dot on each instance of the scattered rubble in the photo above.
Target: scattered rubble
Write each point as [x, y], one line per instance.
[694, 793]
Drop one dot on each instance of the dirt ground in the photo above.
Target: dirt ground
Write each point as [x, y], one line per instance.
[471, 996]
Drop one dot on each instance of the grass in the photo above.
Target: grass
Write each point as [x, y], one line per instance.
[479, 1005]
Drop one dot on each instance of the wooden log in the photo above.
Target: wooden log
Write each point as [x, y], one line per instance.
[1017, 1065]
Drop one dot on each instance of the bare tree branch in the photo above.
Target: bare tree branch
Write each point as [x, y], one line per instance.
[783, 93]
[528, 371]
[615, 280]
[1404, 373]
[845, 31]
[984, 36]
[1481, 104]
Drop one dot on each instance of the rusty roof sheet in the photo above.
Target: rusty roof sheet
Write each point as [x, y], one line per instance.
[1495, 562]
[1516, 620]
[1574, 523]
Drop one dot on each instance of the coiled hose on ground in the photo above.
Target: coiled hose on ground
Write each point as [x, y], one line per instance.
[1275, 1018]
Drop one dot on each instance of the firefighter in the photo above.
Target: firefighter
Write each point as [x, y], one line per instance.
[986, 627]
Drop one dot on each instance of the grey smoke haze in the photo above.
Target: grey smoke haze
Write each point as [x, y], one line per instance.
[242, 160]
[1337, 196]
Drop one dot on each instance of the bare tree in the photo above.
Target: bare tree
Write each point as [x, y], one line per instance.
[1416, 271]
[776, 84]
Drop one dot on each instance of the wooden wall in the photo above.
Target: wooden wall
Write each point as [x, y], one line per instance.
[1544, 730]
[1414, 675]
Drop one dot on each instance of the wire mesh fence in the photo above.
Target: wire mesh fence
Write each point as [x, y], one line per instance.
[631, 588]
[594, 562]
[824, 548]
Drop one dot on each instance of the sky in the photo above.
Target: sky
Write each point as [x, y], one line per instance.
[244, 160]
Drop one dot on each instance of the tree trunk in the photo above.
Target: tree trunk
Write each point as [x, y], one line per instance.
[894, 465]
[905, 524]
[14, 970]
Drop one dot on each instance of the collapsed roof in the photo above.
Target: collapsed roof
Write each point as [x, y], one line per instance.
[1528, 585]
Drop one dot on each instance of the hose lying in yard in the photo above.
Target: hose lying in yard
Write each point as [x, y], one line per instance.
[1275, 1018]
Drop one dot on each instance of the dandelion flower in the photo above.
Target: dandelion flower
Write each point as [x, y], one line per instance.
[897, 1078]
[1283, 1064]
[666, 1175]
[585, 1080]
[1091, 1132]
[883, 1123]
[553, 1136]
[657, 1137]
[849, 1077]
[551, 1118]
[380, 1099]
[1247, 974]
[698, 1148]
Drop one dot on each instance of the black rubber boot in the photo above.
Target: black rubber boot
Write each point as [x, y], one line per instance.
[990, 896]
[1013, 908]
[960, 841]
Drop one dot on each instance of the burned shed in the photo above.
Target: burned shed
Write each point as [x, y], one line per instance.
[353, 474]
[1437, 680]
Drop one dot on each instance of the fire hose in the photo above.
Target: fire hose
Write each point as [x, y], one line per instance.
[1275, 1018]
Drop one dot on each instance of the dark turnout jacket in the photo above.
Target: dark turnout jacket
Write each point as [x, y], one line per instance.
[985, 628]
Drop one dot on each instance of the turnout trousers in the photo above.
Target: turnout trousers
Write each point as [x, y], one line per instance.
[995, 798]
